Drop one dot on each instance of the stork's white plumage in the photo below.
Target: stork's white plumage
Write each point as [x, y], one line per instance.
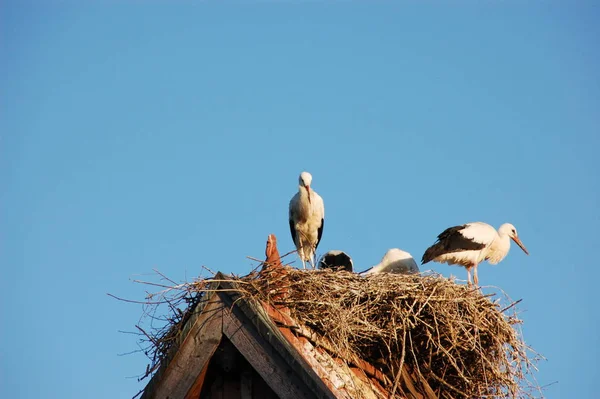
[394, 261]
[307, 217]
[472, 243]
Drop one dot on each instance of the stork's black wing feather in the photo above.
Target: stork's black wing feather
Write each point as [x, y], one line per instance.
[293, 231]
[320, 233]
[450, 240]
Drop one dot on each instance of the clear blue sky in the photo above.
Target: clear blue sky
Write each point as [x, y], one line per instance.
[138, 136]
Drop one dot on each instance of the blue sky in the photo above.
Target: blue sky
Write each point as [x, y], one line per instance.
[138, 136]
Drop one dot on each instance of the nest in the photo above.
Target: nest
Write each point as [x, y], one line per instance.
[454, 341]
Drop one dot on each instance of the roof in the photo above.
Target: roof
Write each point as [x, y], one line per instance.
[280, 350]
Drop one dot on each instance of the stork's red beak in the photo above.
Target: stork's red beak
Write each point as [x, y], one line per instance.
[520, 244]
[308, 191]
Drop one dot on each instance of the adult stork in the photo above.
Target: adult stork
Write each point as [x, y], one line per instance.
[307, 217]
[394, 261]
[336, 260]
[472, 243]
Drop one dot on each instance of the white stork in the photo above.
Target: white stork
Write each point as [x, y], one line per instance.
[307, 213]
[472, 243]
[336, 260]
[394, 261]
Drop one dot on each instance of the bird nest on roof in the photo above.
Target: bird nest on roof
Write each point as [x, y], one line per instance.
[454, 341]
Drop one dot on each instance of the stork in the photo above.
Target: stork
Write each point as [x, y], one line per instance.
[472, 243]
[307, 213]
[336, 260]
[394, 261]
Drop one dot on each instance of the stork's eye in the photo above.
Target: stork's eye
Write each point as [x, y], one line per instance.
[514, 231]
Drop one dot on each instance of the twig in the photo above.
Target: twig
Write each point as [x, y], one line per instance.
[138, 302]
[510, 306]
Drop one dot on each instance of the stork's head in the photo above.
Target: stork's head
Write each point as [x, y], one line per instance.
[511, 231]
[304, 180]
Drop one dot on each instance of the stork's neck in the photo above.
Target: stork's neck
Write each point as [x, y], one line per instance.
[499, 248]
[303, 191]
[304, 202]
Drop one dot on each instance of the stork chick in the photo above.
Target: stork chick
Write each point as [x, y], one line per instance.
[394, 261]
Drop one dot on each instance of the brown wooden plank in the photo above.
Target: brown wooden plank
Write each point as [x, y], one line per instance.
[260, 389]
[194, 392]
[269, 364]
[192, 356]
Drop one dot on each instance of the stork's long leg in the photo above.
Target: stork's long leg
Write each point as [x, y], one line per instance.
[469, 274]
[475, 278]
[300, 252]
[312, 257]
